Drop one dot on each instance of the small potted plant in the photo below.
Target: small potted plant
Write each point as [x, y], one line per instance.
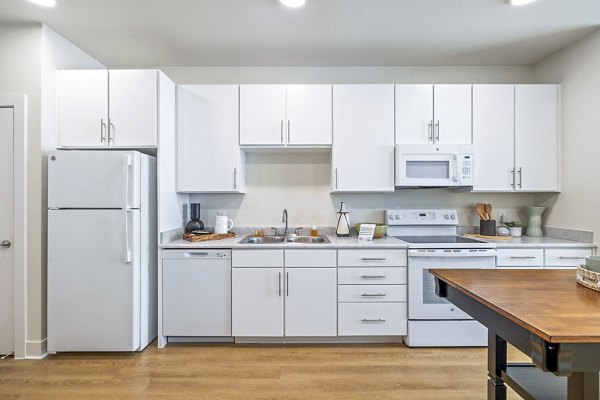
[514, 228]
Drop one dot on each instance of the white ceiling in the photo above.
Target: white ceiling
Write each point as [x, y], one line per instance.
[145, 33]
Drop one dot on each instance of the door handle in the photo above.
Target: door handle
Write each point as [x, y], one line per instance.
[102, 130]
[111, 137]
[281, 127]
[512, 171]
[287, 283]
[430, 131]
[126, 210]
[279, 284]
[437, 135]
[288, 133]
[235, 179]
[5, 244]
[336, 178]
[520, 177]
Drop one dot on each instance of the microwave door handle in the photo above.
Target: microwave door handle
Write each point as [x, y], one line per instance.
[457, 169]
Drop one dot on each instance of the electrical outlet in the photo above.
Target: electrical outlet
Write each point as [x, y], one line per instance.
[501, 215]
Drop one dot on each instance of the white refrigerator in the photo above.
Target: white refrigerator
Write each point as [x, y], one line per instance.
[102, 250]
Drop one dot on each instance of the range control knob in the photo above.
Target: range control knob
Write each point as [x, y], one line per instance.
[453, 216]
[446, 216]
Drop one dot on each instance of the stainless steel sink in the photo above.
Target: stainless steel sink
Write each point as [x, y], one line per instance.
[307, 239]
[263, 240]
[285, 239]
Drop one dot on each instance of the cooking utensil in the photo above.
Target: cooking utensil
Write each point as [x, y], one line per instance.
[488, 210]
[480, 208]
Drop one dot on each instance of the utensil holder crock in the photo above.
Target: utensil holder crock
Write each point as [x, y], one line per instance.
[487, 227]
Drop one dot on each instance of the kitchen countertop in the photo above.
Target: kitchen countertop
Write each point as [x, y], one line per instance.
[336, 243]
[537, 242]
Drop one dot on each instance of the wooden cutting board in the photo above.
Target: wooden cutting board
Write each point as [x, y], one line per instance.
[489, 237]
[191, 237]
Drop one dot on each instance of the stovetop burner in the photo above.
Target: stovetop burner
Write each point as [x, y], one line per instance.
[438, 240]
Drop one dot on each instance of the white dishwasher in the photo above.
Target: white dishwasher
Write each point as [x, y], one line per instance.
[196, 294]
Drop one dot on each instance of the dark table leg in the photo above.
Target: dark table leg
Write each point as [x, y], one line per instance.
[496, 364]
[583, 386]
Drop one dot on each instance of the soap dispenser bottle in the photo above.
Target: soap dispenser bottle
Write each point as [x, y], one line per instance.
[343, 224]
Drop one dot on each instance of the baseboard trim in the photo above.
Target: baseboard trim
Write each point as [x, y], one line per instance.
[36, 349]
[319, 340]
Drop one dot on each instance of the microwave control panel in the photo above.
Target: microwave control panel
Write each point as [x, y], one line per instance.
[465, 169]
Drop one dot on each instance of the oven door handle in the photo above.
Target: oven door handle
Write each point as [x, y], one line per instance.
[425, 254]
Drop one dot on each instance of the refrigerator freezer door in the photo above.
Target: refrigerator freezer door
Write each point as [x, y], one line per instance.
[93, 294]
[93, 179]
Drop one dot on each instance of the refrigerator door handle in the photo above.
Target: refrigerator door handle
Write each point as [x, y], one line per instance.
[126, 210]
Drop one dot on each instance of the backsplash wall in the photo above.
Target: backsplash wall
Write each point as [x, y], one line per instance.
[301, 184]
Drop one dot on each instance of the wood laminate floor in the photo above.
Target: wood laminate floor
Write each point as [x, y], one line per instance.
[293, 372]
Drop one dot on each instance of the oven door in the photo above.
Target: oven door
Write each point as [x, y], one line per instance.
[423, 303]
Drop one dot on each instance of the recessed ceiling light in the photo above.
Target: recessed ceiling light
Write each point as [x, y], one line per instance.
[293, 3]
[520, 2]
[44, 3]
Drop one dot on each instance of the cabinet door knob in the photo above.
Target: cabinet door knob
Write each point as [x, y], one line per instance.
[5, 243]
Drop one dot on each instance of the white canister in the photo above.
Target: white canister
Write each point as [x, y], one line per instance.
[514, 231]
[223, 224]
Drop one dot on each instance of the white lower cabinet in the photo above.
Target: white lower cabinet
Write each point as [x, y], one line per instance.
[257, 302]
[565, 258]
[520, 258]
[270, 300]
[372, 293]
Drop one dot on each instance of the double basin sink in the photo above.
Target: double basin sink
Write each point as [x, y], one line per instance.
[285, 239]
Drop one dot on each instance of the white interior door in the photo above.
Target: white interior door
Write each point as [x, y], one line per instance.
[93, 294]
[6, 232]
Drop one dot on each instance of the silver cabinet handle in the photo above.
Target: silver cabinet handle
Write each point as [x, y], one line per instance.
[571, 258]
[373, 320]
[437, 127]
[281, 131]
[512, 171]
[235, 179]
[102, 130]
[373, 276]
[372, 295]
[279, 284]
[336, 178]
[5, 243]
[522, 257]
[430, 131]
[111, 132]
[373, 259]
[520, 177]
[287, 283]
[288, 135]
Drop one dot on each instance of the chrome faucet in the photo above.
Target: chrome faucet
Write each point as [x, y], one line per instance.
[284, 218]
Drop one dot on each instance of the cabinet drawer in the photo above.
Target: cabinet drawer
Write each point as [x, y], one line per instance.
[520, 258]
[361, 319]
[257, 258]
[372, 275]
[371, 293]
[565, 258]
[310, 258]
[376, 258]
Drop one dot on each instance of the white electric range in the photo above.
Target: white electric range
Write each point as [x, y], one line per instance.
[433, 243]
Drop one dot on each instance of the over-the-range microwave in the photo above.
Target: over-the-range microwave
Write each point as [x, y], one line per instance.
[430, 165]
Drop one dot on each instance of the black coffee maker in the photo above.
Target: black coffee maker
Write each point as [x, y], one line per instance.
[195, 224]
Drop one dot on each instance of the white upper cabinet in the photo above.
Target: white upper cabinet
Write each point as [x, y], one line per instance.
[493, 137]
[262, 114]
[115, 108]
[516, 137]
[537, 137]
[309, 115]
[132, 99]
[363, 138]
[83, 108]
[414, 114]
[433, 114]
[208, 155]
[282, 115]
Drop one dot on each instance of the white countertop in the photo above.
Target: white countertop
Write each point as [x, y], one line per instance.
[536, 242]
[336, 242]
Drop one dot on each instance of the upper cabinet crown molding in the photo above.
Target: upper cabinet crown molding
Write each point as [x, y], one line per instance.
[430, 114]
[285, 115]
[516, 138]
[110, 108]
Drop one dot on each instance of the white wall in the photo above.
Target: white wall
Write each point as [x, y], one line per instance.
[300, 182]
[577, 68]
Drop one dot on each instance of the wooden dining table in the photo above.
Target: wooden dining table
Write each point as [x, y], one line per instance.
[543, 313]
